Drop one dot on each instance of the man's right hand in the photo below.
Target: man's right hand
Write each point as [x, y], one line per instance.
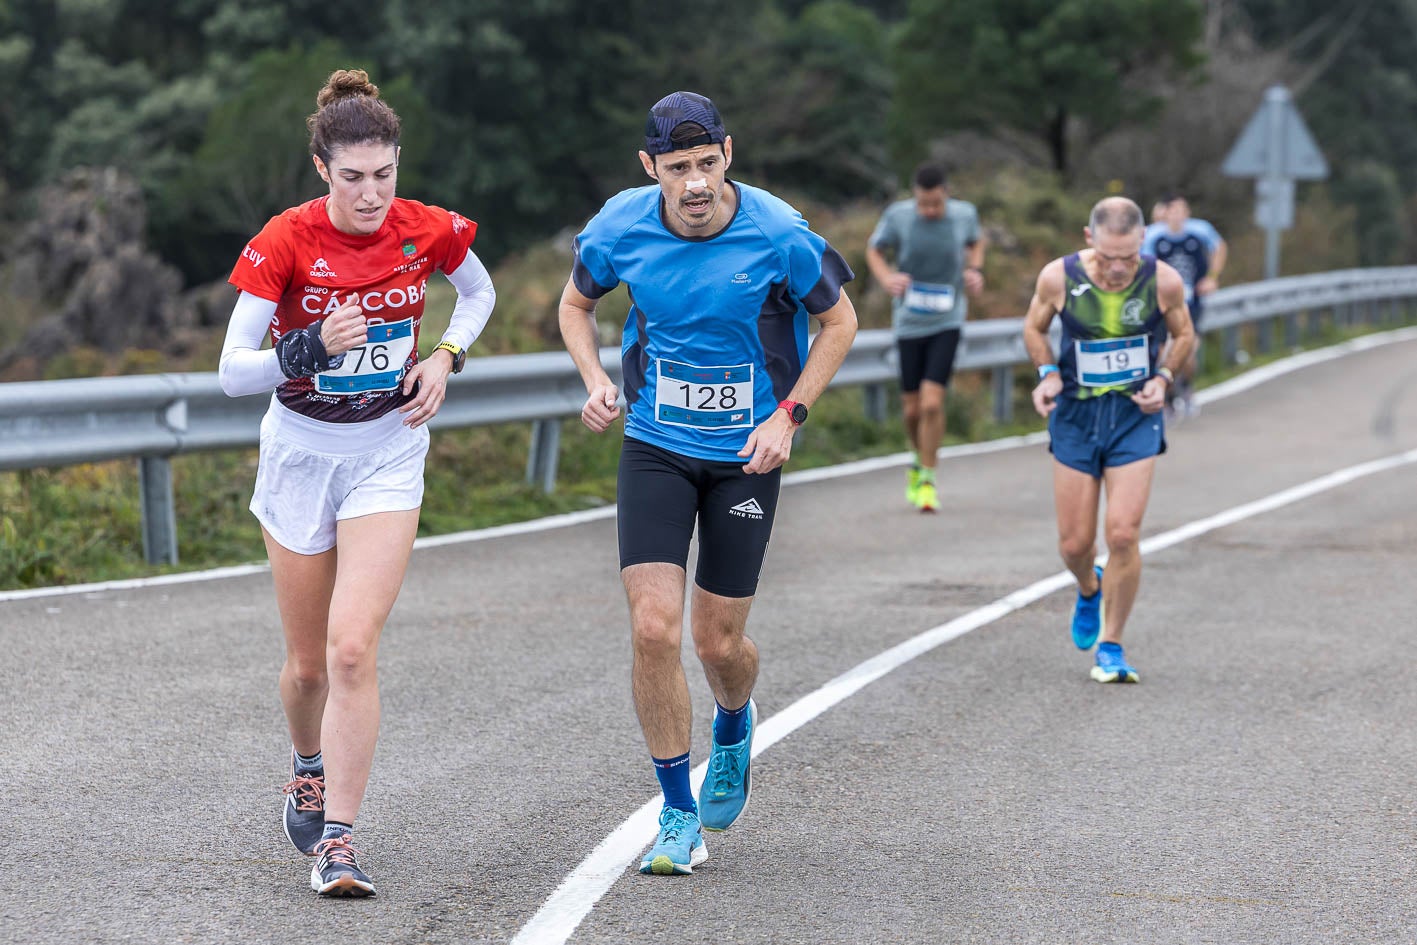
[600, 410]
[344, 329]
[1045, 395]
[897, 284]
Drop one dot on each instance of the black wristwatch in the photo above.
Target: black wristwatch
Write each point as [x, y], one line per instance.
[459, 355]
[797, 412]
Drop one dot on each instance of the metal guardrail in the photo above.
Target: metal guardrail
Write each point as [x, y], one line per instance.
[154, 417]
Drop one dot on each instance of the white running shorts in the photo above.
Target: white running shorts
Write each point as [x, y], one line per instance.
[314, 474]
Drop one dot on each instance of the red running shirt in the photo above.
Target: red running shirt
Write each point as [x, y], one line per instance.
[309, 269]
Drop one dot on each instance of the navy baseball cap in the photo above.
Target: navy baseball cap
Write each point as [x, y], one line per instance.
[675, 109]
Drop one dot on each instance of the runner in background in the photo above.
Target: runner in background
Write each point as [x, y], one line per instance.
[938, 255]
[1196, 250]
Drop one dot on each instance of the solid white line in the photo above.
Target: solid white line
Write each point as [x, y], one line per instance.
[1268, 372]
[573, 900]
[1228, 388]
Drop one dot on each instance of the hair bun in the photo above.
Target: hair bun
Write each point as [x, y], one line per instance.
[346, 83]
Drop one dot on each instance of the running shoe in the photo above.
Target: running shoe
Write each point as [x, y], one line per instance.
[336, 872]
[1087, 616]
[926, 499]
[304, 819]
[1112, 665]
[724, 795]
[912, 483]
[680, 846]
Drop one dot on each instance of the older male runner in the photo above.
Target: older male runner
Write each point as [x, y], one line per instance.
[1103, 396]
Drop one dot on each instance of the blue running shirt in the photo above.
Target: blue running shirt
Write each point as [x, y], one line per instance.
[1188, 251]
[717, 330]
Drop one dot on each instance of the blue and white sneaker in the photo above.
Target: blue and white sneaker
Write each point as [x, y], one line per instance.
[304, 814]
[724, 796]
[680, 846]
[1087, 616]
[1112, 665]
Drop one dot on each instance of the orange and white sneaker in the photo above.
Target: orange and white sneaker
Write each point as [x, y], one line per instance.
[926, 500]
[336, 872]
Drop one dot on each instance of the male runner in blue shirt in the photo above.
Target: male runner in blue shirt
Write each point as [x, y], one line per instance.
[1196, 250]
[723, 280]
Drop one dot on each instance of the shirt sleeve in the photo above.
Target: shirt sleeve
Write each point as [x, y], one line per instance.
[462, 232]
[476, 299]
[815, 271]
[969, 228]
[1148, 243]
[264, 267]
[593, 271]
[245, 368]
[1208, 233]
[884, 235]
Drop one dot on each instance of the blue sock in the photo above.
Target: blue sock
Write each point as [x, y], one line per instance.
[315, 762]
[730, 726]
[673, 774]
[1110, 648]
[333, 829]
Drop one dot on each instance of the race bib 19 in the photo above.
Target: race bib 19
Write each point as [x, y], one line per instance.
[930, 299]
[709, 398]
[1107, 362]
[376, 365]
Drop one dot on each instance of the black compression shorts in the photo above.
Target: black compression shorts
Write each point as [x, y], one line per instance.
[661, 494]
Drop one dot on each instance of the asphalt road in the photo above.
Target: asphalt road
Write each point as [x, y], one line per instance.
[1256, 787]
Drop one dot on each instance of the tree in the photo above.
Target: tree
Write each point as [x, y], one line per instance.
[1043, 69]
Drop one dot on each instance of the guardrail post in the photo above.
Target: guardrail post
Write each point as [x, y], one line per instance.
[1291, 330]
[1264, 336]
[541, 458]
[1003, 385]
[1229, 345]
[875, 402]
[159, 517]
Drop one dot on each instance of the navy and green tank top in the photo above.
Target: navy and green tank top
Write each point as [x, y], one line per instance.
[1111, 340]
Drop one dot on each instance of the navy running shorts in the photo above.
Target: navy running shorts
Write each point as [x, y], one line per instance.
[931, 358]
[661, 494]
[1089, 435]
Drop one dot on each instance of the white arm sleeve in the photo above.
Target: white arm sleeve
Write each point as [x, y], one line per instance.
[475, 300]
[245, 368]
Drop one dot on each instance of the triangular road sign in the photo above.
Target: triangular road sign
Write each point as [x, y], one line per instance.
[1276, 125]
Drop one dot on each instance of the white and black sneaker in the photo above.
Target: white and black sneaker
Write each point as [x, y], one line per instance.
[336, 872]
[304, 819]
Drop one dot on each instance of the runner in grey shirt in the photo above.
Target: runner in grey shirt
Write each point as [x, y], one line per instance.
[937, 262]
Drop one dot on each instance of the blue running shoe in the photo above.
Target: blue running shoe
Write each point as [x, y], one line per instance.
[680, 846]
[1112, 665]
[724, 796]
[1087, 616]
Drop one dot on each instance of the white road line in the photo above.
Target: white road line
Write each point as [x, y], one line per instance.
[572, 901]
[1210, 394]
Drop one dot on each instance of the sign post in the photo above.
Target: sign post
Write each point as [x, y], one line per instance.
[1276, 149]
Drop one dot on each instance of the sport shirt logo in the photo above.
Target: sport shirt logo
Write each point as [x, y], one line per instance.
[1080, 289]
[321, 270]
[747, 509]
[739, 278]
[1131, 313]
